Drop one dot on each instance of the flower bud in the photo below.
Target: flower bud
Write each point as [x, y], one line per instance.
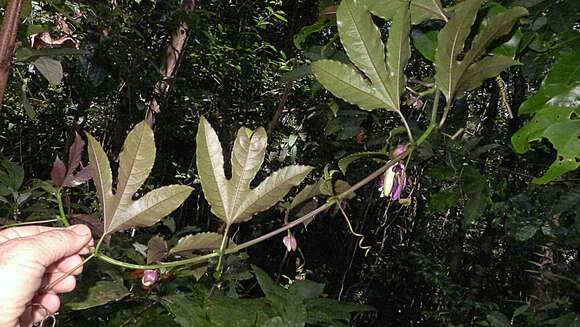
[149, 277]
[290, 243]
[399, 150]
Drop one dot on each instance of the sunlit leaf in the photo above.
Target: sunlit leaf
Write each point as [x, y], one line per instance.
[232, 200]
[120, 211]
[556, 108]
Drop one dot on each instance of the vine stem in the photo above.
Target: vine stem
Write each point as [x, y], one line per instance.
[406, 126]
[222, 246]
[433, 122]
[61, 208]
[264, 237]
[30, 223]
[445, 112]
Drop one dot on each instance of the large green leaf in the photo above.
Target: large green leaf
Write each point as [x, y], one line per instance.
[347, 84]
[398, 54]
[451, 41]
[556, 108]
[487, 67]
[361, 39]
[232, 200]
[453, 76]
[119, 210]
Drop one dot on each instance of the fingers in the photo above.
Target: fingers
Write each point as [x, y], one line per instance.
[57, 243]
[65, 265]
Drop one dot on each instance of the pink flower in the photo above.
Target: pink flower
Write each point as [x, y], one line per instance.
[149, 277]
[290, 243]
[416, 102]
[393, 181]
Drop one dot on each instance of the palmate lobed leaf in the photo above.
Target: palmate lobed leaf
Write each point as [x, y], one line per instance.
[119, 210]
[64, 175]
[556, 110]
[361, 39]
[198, 243]
[232, 200]
[453, 76]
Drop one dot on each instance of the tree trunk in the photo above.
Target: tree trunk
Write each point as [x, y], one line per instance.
[7, 39]
[171, 62]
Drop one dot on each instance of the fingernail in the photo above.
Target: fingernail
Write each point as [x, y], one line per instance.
[81, 230]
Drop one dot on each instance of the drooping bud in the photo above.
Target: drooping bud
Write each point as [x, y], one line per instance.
[290, 243]
[398, 150]
[149, 277]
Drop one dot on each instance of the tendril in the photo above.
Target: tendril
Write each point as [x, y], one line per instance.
[361, 237]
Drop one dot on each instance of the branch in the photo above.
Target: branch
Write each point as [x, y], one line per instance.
[272, 124]
[7, 38]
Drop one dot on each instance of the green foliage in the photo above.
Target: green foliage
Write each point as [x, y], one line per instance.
[119, 210]
[556, 108]
[362, 41]
[455, 76]
[299, 304]
[232, 200]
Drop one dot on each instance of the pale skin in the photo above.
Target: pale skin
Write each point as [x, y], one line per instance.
[31, 258]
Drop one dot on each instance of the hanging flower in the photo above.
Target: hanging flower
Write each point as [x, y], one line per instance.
[149, 277]
[415, 102]
[393, 181]
[290, 243]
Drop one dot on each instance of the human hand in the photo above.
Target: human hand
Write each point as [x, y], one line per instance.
[31, 258]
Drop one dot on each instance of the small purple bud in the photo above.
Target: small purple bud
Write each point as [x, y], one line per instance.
[290, 243]
[149, 277]
[399, 150]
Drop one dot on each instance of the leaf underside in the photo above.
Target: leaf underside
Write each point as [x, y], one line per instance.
[119, 210]
[453, 77]
[376, 80]
[232, 200]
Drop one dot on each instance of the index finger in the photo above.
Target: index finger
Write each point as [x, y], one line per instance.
[23, 231]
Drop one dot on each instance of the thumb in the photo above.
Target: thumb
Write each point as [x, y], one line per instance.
[59, 243]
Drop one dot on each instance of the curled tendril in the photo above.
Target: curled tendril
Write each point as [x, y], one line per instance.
[361, 237]
[504, 97]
